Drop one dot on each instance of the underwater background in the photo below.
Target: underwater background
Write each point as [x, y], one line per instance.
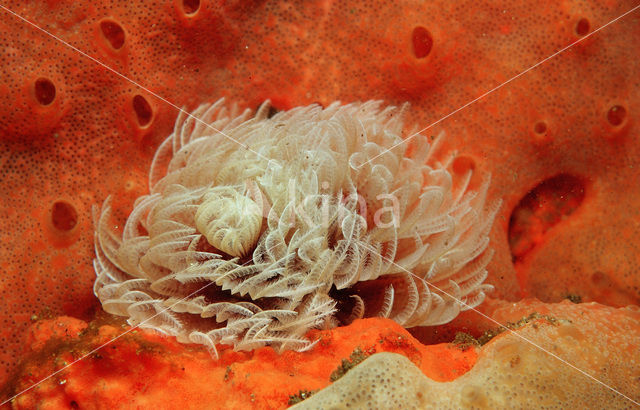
[543, 96]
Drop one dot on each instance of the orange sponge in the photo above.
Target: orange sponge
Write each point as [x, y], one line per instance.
[144, 369]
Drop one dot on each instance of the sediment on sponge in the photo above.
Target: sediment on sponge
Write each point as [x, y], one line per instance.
[257, 229]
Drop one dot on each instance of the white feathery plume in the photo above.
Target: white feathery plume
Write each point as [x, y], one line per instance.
[236, 248]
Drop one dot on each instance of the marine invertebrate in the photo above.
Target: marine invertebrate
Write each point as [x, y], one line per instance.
[601, 340]
[247, 49]
[258, 229]
[238, 380]
[507, 363]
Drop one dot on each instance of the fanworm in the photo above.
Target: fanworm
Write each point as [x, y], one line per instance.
[257, 229]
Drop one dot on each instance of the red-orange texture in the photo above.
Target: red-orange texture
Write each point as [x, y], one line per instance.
[72, 132]
[141, 369]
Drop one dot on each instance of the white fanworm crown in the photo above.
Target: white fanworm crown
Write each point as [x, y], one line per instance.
[259, 229]
[229, 220]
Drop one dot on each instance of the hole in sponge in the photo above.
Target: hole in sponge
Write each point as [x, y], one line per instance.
[616, 115]
[582, 27]
[45, 91]
[540, 127]
[463, 164]
[190, 7]
[542, 208]
[143, 110]
[422, 42]
[599, 279]
[463, 168]
[64, 216]
[113, 32]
